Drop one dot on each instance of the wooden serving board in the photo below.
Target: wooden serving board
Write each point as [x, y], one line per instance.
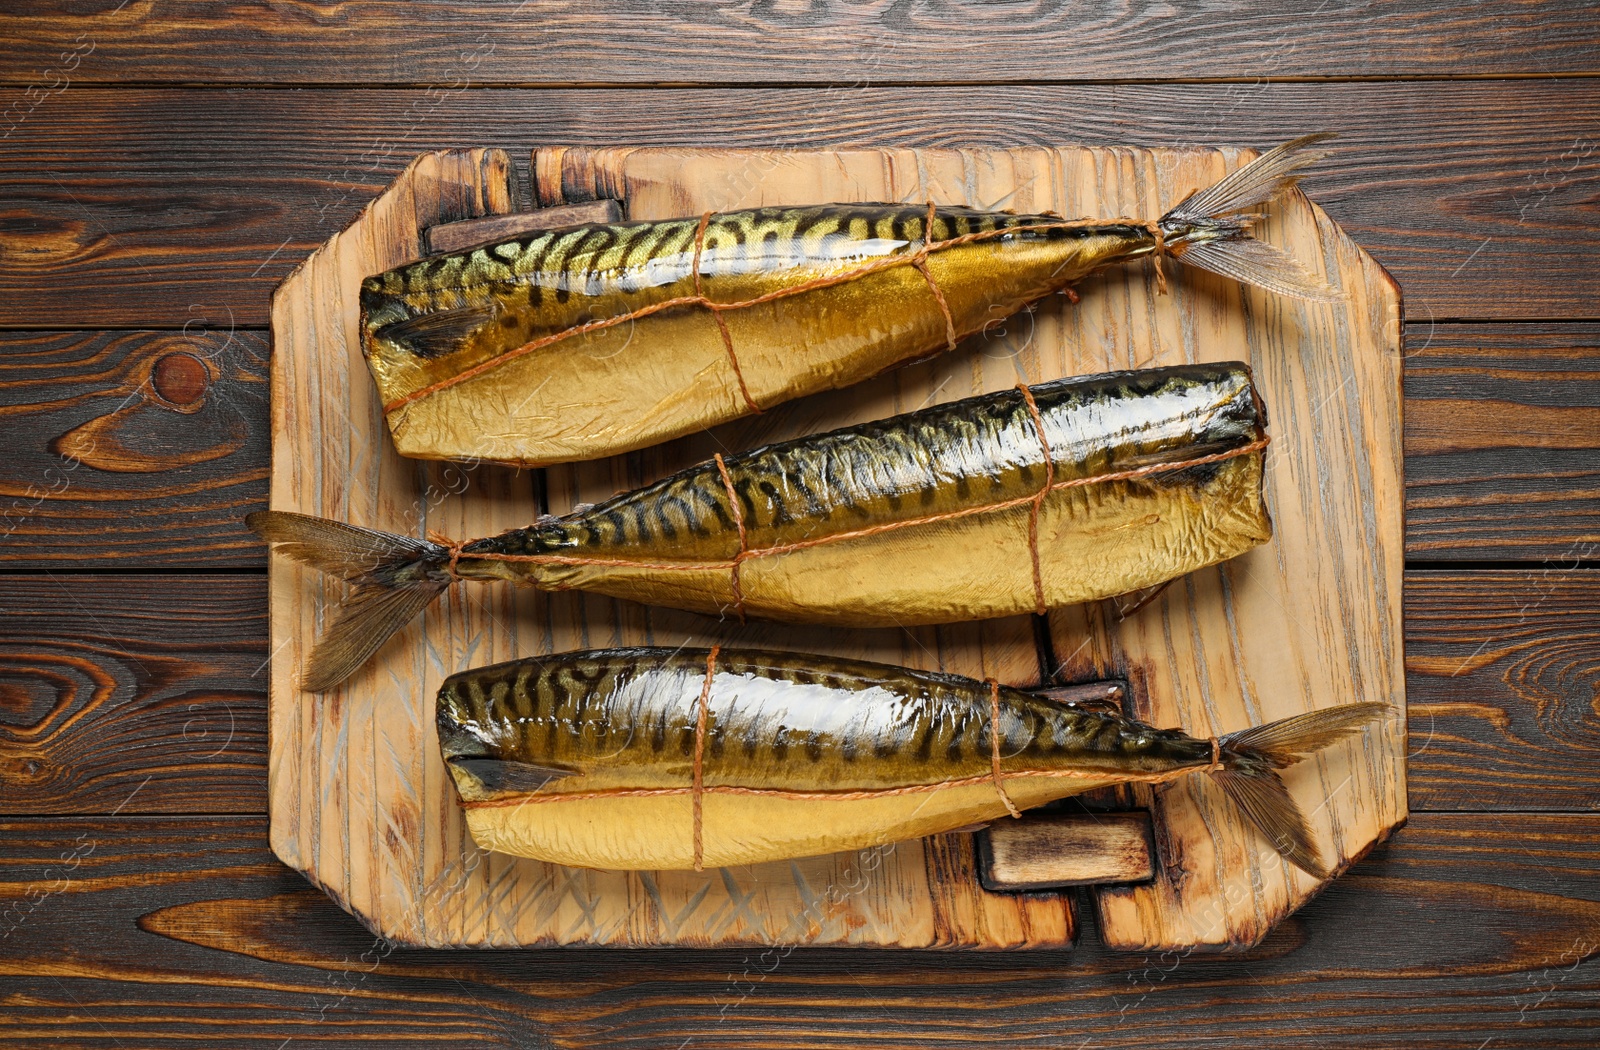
[360, 801]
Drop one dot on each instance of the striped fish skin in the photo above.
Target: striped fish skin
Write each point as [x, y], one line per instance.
[948, 514]
[660, 376]
[921, 471]
[625, 720]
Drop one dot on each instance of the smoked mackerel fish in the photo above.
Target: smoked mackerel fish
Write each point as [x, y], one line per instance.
[1004, 503]
[588, 341]
[689, 758]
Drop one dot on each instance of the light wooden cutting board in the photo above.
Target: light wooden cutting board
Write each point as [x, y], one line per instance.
[360, 801]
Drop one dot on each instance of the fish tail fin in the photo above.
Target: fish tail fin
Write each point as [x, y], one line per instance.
[1249, 777]
[393, 578]
[1210, 229]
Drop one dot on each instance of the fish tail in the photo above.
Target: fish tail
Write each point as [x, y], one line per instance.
[1210, 229]
[393, 578]
[1250, 761]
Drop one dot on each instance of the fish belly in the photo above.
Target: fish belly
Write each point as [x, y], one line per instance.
[614, 389]
[1094, 542]
[656, 832]
[596, 394]
[840, 335]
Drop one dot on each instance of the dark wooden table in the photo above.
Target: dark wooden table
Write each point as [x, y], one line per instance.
[162, 166]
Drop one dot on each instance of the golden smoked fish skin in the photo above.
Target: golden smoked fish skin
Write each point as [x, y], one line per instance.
[593, 340]
[656, 758]
[606, 390]
[933, 516]
[1004, 503]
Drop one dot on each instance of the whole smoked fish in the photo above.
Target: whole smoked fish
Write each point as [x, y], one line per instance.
[672, 759]
[593, 340]
[1004, 503]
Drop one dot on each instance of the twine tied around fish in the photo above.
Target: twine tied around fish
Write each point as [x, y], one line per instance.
[917, 259]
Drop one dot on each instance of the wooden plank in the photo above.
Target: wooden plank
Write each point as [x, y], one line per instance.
[1463, 500]
[133, 694]
[1474, 195]
[1503, 729]
[1098, 696]
[132, 448]
[362, 754]
[1503, 673]
[1049, 850]
[471, 233]
[1503, 442]
[169, 932]
[461, 44]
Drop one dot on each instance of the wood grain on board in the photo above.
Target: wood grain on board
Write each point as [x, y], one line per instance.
[1475, 195]
[181, 932]
[349, 761]
[1504, 672]
[1047, 850]
[132, 695]
[1503, 442]
[132, 448]
[56, 42]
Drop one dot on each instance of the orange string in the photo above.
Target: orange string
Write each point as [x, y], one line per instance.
[453, 547]
[737, 509]
[920, 261]
[994, 748]
[1156, 254]
[1038, 501]
[698, 782]
[697, 299]
[716, 315]
[889, 526]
